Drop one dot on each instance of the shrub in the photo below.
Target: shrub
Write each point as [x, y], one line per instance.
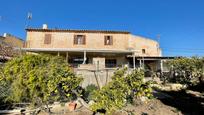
[115, 94]
[38, 79]
[186, 70]
[88, 94]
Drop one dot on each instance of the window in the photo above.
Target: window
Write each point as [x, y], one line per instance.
[47, 39]
[79, 39]
[143, 51]
[108, 40]
[109, 63]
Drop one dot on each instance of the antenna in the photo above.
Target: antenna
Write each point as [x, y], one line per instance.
[29, 17]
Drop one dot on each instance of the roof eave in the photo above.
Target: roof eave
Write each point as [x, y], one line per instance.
[77, 31]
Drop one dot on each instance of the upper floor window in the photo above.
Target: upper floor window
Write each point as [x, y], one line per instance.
[79, 39]
[108, 40]
[143, 51]
[47, 39]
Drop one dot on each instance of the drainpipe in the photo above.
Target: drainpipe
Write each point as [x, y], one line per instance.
[143, 65]
[140, 63]
[161, 65]
[84, 57]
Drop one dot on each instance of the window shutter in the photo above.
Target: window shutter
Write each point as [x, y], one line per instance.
[84, 39]
[105, 40]
[111, 40]
[75, 39]
[47, 39]
[143, 51]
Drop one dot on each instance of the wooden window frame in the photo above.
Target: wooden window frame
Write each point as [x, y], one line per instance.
[143, 51]
[47, 39]
[83, 40]
[110, 40]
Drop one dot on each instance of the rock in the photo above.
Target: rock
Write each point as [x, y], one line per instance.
[176, 87]
[120, 113]
[194, 93]
[79, 105]
[143, 99]
[91, 102]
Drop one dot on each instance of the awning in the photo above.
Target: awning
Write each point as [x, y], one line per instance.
[152, 57]
[77, 50]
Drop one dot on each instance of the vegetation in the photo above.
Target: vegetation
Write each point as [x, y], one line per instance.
[116, 93]
[187, 71]
[38, 79]
[88, 92]
[43, 79]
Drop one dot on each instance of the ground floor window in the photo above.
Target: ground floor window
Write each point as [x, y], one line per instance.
[110, 63]
[75, 61]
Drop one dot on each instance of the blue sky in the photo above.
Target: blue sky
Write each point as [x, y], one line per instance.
[180, 23]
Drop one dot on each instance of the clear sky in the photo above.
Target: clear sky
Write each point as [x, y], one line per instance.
[180, 23]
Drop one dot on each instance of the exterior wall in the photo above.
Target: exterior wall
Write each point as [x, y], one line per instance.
[13, 41]
[92, 77]
[121, 41]
[66, 39]
[100, 61]
[138, 43]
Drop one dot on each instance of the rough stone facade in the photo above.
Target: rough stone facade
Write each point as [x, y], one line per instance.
[94, 57]
[122, 41]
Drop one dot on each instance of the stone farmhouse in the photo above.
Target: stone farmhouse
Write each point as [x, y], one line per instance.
[96, 50]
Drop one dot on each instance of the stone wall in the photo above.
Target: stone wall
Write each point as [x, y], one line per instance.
[151, 47]
[121, 41]
[93, 77]
[99, 62]
[66, 40]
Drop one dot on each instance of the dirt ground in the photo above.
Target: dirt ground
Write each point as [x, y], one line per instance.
[153, 107]
[181, 102]
[164, 103]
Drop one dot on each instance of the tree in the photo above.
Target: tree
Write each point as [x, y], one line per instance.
[186, 70]
[115, 94]
[38, 79]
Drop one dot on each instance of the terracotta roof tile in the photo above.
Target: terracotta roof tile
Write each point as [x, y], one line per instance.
[77, 31]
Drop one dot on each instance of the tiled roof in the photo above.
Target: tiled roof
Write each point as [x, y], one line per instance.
[77, 31]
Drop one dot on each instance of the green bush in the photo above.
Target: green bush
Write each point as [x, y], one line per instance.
[88, 94]
[186, 70]
[116, 93]
[38, 79]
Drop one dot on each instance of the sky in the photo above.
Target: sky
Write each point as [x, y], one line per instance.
[178, 25]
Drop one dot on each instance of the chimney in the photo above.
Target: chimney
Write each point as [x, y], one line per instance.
[45, 26]
[5, 34]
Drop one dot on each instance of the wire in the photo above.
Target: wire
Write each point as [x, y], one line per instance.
[187, 49]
